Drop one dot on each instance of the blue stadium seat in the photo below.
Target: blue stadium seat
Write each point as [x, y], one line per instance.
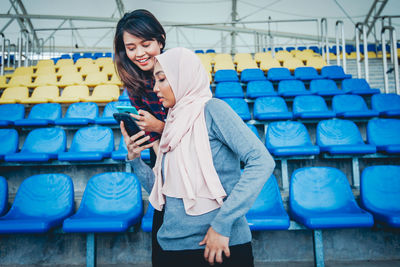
[279, 74]
[240, 107]
[199, 51]
[325, 87]
[10, 113]
[315, 49]
[81, 113]
[301, 48]
[321, 198]
[107, 116]
[338, 136]
[259, 89]
[41, 115]
[40, 145]
[267, 212]
[253, 129]
[210, 51]
[8, 142]
[121, 153]
[352, 106]
[42, 202]
[97, 55]
[147, 220]
[350, 48]
[289, 138]
[358, 87]
[384, 134]
[380, 193]
[292, 88]
[311, 107]
[90, 144]
[334, 72]
[226, 76]
[306, 74]
[271, 108]
[124, 96]
[249, 75]
[290, 48]
[388, 105]
[3, 195]
[112, 202]
[229, 90]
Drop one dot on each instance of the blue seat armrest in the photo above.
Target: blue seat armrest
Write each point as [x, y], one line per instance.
[390, 113]
[73, 121]
[365, 91]
[390, 149]
[274, 116]
[80, 156]
[5, 123]
[296, 151]
[33, 122]
[350, 149]
[295, 93]
[119, 155]
[105, 121]
[358, 114]
[315, 115]
[29, 157]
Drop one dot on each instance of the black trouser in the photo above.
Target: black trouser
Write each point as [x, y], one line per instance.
[241, 256]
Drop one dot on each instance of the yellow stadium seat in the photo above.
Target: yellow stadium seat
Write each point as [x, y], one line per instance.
[332, 56]
[67, 69]
[205, 57]
[89, 68]
[246, 64]
[95, 78]
[83, 61]
[222, 57]
[292, 64]
[72, 94]
[316, 62]
[22, 80]
[258, 57]
[207, 65]
[115, 80]
[353, 55]
[42, 94]
[209, 77]
[70, 79]
[45, 70]
[45, 80]
[64, 62]
[101, 61]
[305, 54]
[223, 65]
[242, 57]
[265, 65]
[3, 82]
[45, 63]
[108, 69]
[283, 55]
[371, 54]
[14, 95]
[21, 71]
[379, 54]
[103, 93]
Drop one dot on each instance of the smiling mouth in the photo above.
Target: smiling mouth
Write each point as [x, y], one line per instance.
[143, 60]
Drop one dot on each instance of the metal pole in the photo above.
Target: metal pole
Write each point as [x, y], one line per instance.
[3, 52]
[337, 41]
[40, 48]
[365, 52]
[8, 52]
[357, 33]
[233, 33]
[343, 49]
[385, 75]
[20, 49]
[324, 30]
[322, 38]
[396, 62]
[27, 48]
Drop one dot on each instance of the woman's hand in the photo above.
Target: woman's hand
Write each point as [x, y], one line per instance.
[215, 245]
[134, 142]
[147, 122]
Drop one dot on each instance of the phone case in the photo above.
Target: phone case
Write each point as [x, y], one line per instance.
[127, 109]
[130, 125]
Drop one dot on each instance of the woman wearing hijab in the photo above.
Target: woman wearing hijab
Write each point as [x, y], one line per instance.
[197, 179]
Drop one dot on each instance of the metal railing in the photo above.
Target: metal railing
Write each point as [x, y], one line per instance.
[392, 33]
[324, 43]
[339, 22]
[3, 52]
[362, 28]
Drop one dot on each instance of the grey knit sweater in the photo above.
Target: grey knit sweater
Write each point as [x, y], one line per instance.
[231, 142]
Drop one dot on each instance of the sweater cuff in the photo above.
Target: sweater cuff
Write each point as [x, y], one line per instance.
[222, 227]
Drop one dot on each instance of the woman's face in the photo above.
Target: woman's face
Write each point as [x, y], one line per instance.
[162, 88]
[141, 52]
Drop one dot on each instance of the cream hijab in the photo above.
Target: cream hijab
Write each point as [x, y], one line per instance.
[189, 171]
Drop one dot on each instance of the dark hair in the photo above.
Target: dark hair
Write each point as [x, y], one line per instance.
[142, 24]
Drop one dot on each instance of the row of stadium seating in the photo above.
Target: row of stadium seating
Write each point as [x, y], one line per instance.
[282, 138]
[112, 202]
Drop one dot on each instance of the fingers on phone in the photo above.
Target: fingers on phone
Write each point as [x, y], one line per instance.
[142, 140]
[123, 131]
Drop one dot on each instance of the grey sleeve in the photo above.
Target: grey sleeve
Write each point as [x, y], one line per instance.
[229, 128]
[143, 172]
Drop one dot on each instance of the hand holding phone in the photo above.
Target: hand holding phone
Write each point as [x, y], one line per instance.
[127, 109]
[129, 123]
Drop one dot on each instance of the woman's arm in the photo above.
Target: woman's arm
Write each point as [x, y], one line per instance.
[258, 164]
[148, 122]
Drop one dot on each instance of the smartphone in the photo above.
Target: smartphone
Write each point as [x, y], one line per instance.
[130, 125]
[127, 109]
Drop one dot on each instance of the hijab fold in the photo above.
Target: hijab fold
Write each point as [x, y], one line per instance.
[189, 171]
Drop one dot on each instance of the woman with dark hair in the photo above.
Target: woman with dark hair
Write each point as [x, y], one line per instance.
[139, 37]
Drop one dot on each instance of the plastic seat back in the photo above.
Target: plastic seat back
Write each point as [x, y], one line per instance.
[45, 140]
[383, 132]
[93, 139]
[42, 80]
[86, 110]
[287, 133]
[259, 89]
[334, 72]
[344, 103]
[75, 91]
[355, 84]
[20, 80]
[46, 111]
[226, 76]
[45, 92]
[240, 106]
[8, 142]
[229, 89]
[309, 103]
[306, 73]
[293, 86]
[388, 104]
[70, 79]
[10, 113]
[278, 74]
[275, 105]
[338, 132]
[3, 195]
[14, 94]
[253, 74]
[106, 91]
[380, 193]
[320, 189]
[324, 87]
[112, 194]
[46, 197]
